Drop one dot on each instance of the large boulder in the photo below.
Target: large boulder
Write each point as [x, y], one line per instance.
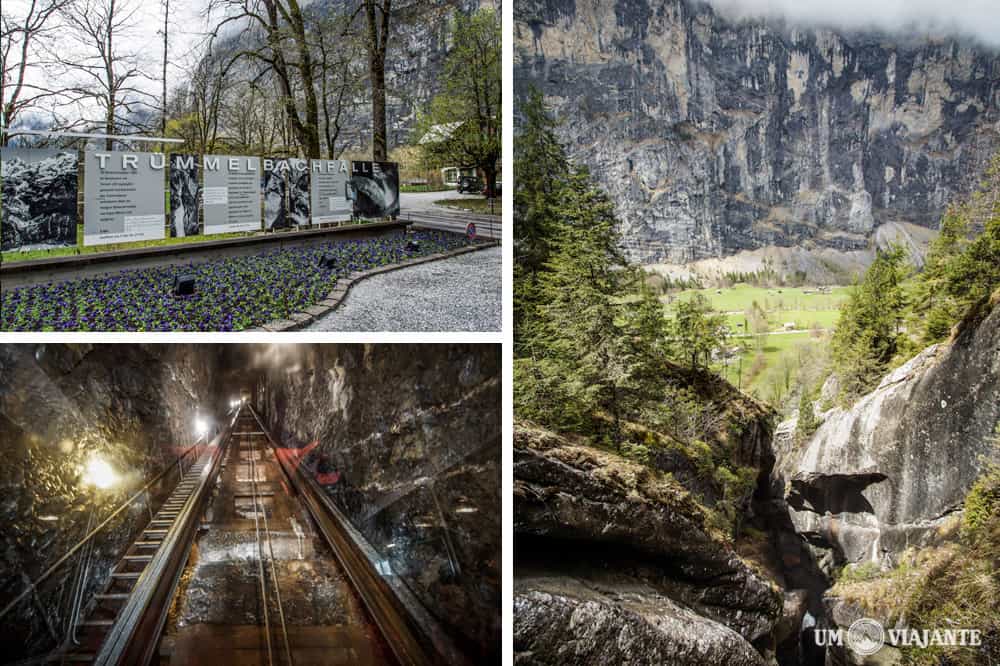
[615, 563]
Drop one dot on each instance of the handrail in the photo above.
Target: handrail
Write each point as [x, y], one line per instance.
[133, 637]
[72, 551]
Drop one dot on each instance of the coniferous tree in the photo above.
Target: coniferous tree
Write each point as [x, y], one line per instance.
[696, 331]
[577, 329]
[806, 424]
[867, 336]
[542, 174]
[933, 308]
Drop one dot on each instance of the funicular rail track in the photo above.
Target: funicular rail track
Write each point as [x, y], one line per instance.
[124, 624]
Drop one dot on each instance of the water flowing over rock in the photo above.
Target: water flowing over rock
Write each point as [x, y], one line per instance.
[615, 564]
[715, 136]
[185, 195]
[882, 475]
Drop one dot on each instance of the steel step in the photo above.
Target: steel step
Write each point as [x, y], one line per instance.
[138, 558]
[112, 597]
[126, 575]
[96, 623]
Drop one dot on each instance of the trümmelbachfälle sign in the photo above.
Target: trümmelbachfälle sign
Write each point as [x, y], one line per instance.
[39, 198]
[231, 197]
[330, 186]
[123, 197]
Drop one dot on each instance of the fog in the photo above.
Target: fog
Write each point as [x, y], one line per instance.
[977, 19]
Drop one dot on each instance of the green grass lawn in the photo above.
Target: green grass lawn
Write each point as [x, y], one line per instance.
[79, 248]
[477, 205]
[755, 380]
[742, 296]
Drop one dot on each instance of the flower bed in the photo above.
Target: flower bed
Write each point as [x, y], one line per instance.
[233, 293]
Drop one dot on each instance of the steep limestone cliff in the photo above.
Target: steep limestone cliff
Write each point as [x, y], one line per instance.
[714, 136]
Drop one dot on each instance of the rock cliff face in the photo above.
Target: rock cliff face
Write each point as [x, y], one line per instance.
[135, 406]
[883, 475]
[615, 564]
[406, 440]
[714, 136]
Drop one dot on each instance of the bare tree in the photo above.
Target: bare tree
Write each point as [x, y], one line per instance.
[108, 76]
[380, 17]
[196, 110]
[20, 40]
[377, 15]
[286, 53]
[340, 82]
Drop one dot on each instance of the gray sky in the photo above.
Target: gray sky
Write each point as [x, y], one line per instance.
[187, 29]
[976, 18]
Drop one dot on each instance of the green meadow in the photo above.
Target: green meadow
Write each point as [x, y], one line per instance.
[769, 365]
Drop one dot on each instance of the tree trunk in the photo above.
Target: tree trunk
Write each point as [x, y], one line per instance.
[307, 71]
[379, 140]
[109, 65]
[166, 16]
[490, 173]
[378, 39]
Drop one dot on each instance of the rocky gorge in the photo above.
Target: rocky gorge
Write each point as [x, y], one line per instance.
[879, 488]
[755, 140]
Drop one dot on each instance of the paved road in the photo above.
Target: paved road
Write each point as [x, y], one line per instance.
[419, 208]
[457, 294]
[424, 201]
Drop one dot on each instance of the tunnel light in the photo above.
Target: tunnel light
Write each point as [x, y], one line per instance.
[200, 427]
[467, 509]
[48, 519]
[99, 473]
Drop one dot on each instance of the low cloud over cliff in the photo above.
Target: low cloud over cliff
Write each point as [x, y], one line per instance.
[975, 18]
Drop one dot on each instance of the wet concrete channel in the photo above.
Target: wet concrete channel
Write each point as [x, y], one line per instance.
[219, 613]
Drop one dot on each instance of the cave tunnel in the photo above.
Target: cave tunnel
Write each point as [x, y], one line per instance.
[250, 504]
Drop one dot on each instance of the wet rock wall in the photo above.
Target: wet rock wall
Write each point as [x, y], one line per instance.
[406, 440]
[134, 407]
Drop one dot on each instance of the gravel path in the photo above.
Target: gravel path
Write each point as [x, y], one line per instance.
[457, 294]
